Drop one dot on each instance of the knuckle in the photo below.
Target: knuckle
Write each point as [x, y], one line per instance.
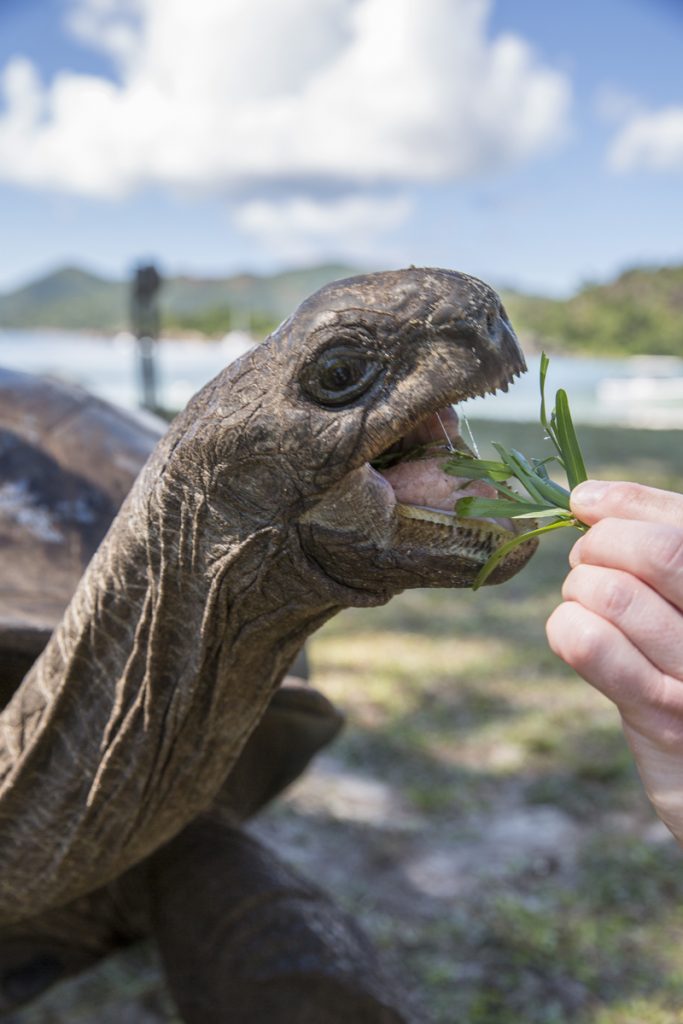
[569, 586]
[608, 592]
[600, 531]
[577, 636]
[588, 547]
[665, 550]
[625, 494]
[555, 629]
[616, 595]
[586, 646]
[578, 583]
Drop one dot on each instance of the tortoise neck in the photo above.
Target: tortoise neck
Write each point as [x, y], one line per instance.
[163, 663]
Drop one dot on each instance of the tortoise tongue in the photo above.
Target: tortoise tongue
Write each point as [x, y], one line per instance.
[423, 481]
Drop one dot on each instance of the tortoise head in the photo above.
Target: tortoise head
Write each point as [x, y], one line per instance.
[364, 366]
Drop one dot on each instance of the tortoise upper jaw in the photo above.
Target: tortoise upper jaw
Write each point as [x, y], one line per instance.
[460, 373]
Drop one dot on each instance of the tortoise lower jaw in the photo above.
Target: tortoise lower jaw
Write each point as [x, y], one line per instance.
[502, 529]
[474, 540]
[453, 550]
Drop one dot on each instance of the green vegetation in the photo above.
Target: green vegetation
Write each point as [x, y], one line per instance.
[217, 320]
[544, 499]
[73, 299]
[639, 312]
[69, 298]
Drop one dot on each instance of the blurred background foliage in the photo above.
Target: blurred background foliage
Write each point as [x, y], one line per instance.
[640, 311]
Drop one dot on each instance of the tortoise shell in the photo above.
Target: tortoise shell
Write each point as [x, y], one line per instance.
[67, 460]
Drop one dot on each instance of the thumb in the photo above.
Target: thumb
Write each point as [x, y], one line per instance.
[596, 499]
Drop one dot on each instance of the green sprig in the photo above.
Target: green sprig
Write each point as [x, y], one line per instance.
[544, 497]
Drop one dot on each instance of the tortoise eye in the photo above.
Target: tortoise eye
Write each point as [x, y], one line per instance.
[338, 376]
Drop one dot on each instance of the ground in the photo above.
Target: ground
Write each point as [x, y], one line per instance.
[480, 815]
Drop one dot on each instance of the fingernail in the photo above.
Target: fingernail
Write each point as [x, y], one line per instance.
[590, 492]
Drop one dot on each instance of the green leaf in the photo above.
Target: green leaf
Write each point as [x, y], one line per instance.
[548, 423]
[507, 491]
[521, 470]
[545, 488]
[476, 507]
[548, 498]
[476, 469]
[540, 465]
[505, 549]
[544, 372]
[571, 453]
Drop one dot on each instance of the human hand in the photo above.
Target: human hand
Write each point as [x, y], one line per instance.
[621, 624]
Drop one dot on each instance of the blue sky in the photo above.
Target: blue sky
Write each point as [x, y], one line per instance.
[533, 144]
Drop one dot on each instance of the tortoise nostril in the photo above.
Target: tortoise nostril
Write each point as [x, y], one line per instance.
[494, 324]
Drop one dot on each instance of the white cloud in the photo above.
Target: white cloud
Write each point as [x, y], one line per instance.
[301, 228]
[219, 92]
[112, 26]
[649, 140]
[248, 96]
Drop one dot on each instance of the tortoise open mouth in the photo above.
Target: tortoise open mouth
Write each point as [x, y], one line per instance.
[414, 468]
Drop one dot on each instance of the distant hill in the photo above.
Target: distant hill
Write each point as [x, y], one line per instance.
[69, 298]
[74, 299]
[641, 311]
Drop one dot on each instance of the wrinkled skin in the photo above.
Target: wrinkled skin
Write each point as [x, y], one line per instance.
[256, 519]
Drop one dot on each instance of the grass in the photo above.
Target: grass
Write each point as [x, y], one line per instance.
[456, 703]
[544, 503]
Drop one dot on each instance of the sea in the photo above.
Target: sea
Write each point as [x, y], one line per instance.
[645, 392]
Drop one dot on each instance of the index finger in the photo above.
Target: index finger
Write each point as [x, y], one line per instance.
[651, 552]
[598, 499]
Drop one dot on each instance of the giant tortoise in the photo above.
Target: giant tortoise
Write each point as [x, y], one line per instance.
[148, 709]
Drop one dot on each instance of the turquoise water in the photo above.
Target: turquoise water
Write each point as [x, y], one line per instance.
[640, 391]
[109, 368]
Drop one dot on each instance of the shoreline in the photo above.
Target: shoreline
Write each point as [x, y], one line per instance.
[631, 392]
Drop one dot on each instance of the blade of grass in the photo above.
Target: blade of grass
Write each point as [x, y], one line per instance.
[477, 469]
[547, 423]
[521, 471]
[547, 488]
[544, 372]
[571, 453]
[505, 549]
[496, 507]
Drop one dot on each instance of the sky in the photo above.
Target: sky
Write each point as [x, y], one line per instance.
[536, 145]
